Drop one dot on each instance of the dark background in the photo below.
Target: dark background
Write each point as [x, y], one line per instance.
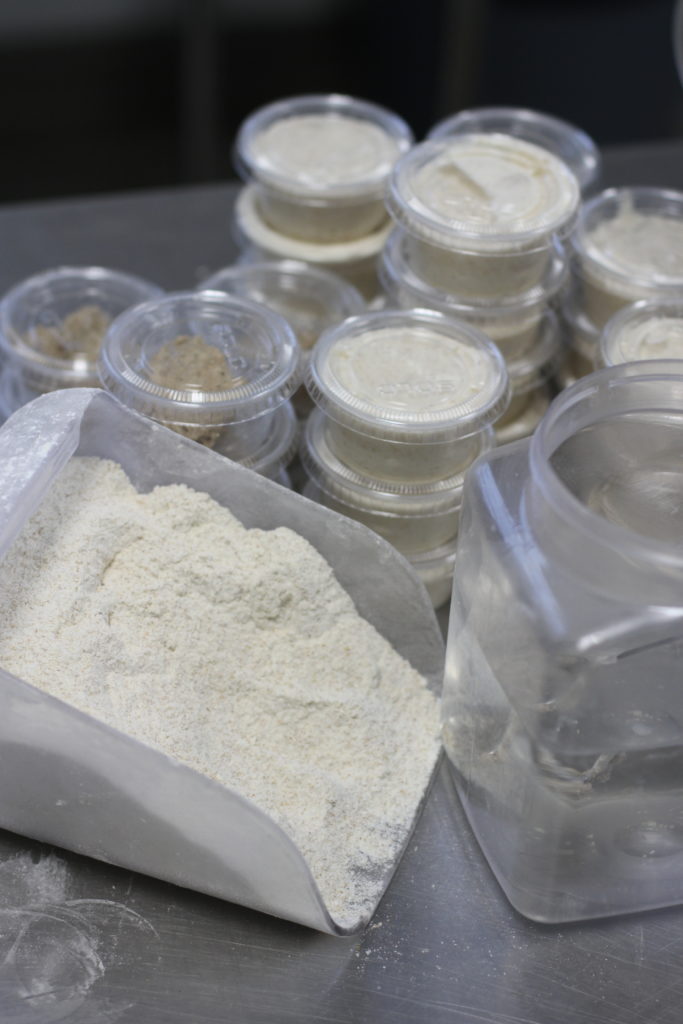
[103, 95]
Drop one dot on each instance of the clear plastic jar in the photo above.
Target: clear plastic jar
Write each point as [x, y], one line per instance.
[319, 165]
[355, 261]
[578, 151]
[645, 330]
[414, 517]
[210, 366]
[513, 324]
[52, 326]
[308, 298]
[562, 712]
[628, 245]
[407, 394]
[481, 212]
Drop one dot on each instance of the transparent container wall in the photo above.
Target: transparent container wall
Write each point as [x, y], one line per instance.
[70, 780]
[563, 716]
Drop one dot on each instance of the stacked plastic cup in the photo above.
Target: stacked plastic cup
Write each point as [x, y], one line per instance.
[316, 169]
[480, 221]
[645, 330]
[310, 299]
[217, 369]
[406, 402]
[627, 246]
[52, 326]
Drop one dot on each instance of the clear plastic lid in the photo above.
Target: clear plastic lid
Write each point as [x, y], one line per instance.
[52, 325]
[572, 145]
[482, 192]
[398, 277]
[410, 375]
[251, 229]
[200, 358]
[334, 477]
[632, 237]
[537, 365]
[322, 146]
[310, 299]
[645, 330]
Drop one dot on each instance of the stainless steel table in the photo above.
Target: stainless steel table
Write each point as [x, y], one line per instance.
[87, 943]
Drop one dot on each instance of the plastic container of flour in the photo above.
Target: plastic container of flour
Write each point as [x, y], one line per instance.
[481, 212]
[210, 366]
[319, 164]
[572, 145]
[74, 782]
[514, 324]
[355, 261]
[52, 326]
[414, 517]
[627, 245]
[645, 330]
[407, 394]
[310, 299]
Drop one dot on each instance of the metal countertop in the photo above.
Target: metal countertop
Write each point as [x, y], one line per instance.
[87, 943]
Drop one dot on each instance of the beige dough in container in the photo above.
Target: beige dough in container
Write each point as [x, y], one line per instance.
[407, 394]
[319, 165]
[645, 330]
[481, 212]
[214, 368]
[355, 261]
[572, 145]
[415, 518]
[52, 326]
[628, 245]
[515, 324]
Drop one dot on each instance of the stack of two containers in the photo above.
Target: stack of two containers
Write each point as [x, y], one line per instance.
[483, 208]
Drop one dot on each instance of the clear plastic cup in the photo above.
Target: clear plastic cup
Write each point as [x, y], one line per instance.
[52, 325]
[531, 371]
[310, 299]
[481, 212]
[628, 245]
[513, 324]
[414, 517]
[572, 145]
[645, 330]
[435, 568]
[210, 366]
[355, 261]
[320, 163]
[526, 421]
[407, 394]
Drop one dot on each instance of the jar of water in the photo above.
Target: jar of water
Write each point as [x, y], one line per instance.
[563, 697]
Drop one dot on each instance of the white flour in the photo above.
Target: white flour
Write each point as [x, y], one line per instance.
[234, 650]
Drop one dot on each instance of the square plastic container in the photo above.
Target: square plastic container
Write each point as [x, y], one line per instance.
[73, 781]
[563, 717]
[319, 164]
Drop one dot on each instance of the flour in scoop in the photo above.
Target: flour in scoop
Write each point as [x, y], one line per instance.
[234, 650]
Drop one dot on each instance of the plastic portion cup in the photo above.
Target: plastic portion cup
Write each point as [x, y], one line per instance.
[513, 324]
[628, 245]
[52, 326]
[212, 367]
[526, 421]
[309, 299]
[435, 568]
[531, 371]
[355, 261]
[572, 145]
[645, 330]
[481, 211]
[407, 393]
[413, 517]
[320, 163]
